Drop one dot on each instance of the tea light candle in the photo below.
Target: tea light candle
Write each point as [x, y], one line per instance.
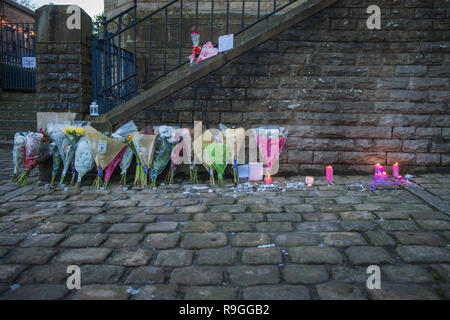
[309, 181]
[379, 168]
[395, 170]
[384, 176]
[329, 173]
[268, 179]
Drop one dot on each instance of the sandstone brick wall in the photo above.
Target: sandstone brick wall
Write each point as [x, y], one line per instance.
[113, 7]
[64, 62]
[152, 68]
[64, 77]
[18, 113]
[349, 96]
[12, 13]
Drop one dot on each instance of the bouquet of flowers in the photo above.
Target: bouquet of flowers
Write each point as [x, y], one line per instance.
[200, 145]
[193, 173]
[56, 158]
[56, 134]
[104, 149]
[32, 155]
[208, 51]
[84, 161]
[270, 142]
[219, 155]
[144, 144]
[110, 168]
[127, 158]
[234, 139]
[74, 171]
[45, 146]
[195, 37]
[193, 169]
[66, 138]
[72, 135]
[120, 135]
[183, 136]
[18, 152]
[165, 142]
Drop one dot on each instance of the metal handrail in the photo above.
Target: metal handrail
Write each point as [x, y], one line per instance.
[111, 39]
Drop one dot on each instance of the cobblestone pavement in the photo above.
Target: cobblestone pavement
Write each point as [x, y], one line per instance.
[192, 242]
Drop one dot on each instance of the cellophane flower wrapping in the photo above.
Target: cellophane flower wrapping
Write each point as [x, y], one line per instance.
[32, 154]
[74, 170]
[270, 141]
[200, 144]
[208, 51]
[104, 149]
[193, 168]
[124, 131]
[72, 136]
[18, 152]
[65, 143]
[121, 135]
[234, 139]
[183, 137]
[165, 142]
[110, 168]
[195, 37]
[220, 156]
[144, 144]
[84, 161]
[56, 159]
[46, 146]
[124, 164]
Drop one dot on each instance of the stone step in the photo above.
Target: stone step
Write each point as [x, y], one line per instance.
[6, 144]
[17, 96]
[18, 105]
[18, 115]
[184, 76]
[17, 125]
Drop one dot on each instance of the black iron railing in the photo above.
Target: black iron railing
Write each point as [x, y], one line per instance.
[17, 56]
[158, 43]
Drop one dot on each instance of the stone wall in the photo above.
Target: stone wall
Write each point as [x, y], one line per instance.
[113, 7]
[349, 96]
[18, 113]
[63, 57]
[152, 68]
[17, 13]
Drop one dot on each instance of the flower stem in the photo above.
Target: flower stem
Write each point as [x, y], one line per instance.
[96, 184]
[53, 180]
[136, 176]
[72, 180]
[23, 178]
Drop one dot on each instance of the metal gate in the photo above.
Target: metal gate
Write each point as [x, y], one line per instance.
[114, 74]
[18, 56]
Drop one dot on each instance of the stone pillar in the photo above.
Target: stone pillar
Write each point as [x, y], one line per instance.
[63, 57]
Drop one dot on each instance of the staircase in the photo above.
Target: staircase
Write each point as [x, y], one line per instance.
[183, 75]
